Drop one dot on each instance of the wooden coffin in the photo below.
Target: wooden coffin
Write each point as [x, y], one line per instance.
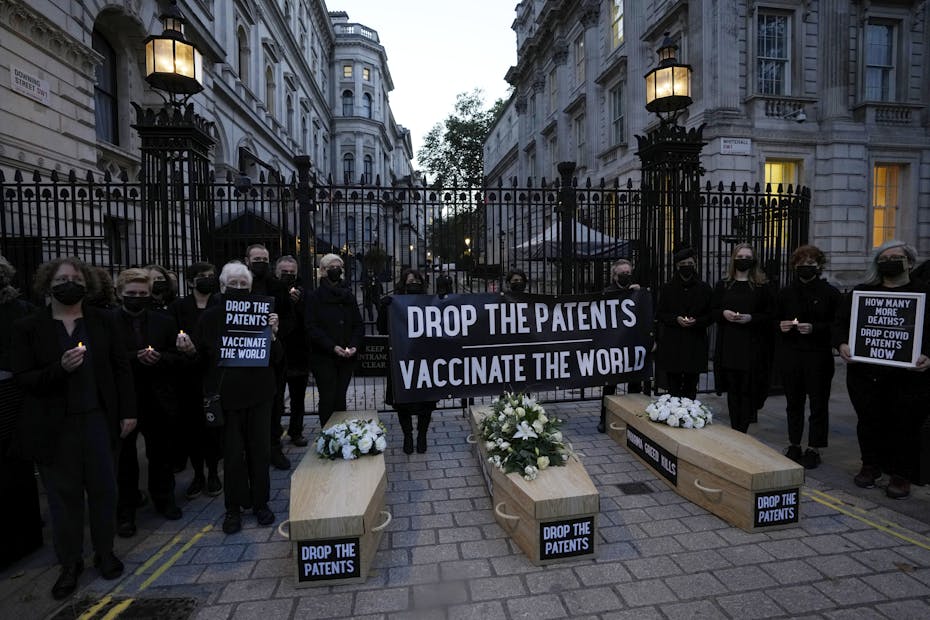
[337, 514]
[552, 518]
[732, 475]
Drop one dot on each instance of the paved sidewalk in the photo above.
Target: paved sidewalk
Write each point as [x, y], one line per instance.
[855, 554]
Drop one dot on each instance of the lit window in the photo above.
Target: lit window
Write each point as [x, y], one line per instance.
[579, 60]
[879, 62]
[616, 22]
[348, 103]
[348, 167]
[773, 58]
[774, 223]
[106, 109]
[616, 114]
[781, 172]
[346, 71]
[366, 74]
[885, 192]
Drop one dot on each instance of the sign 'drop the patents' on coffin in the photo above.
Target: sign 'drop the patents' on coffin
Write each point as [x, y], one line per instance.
[887, 328]
[246, 337]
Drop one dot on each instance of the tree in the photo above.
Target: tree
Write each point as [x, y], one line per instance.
[453, 149]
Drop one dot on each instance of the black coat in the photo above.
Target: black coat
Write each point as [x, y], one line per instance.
[683, 349]
[816, 303]
[297, 342]
[333, 319]
[187, 315]
[11, 311]
[748, 346]
[37, 368]
[282, 302]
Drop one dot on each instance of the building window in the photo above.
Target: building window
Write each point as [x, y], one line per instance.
[269, 89]
[369, 229]
[553, 91]
[553, 152]
[346, 71]
[781, 172]
[350, 229]
[531, 165]
[367, 169]
[348, 167]
[616, 115]
[116, 234]
[580, 133]
[348, 103]
[242, 40]
[773, 58]
[579, 60]
[304, 135]
[366, 105]
[879, 62]
[106, 104]
[290, 115]
[616, 22]
[886, 179]
[366, 74]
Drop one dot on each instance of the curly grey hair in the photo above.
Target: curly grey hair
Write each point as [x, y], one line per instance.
[871, 273]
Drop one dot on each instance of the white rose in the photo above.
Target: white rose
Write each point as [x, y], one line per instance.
[664, 413]
[508, 410]
[489, 445]
[320, 445]
[686, 422]
[654, 415]
[365, 444]
[542, 418]
[348, 452]
[664, 398]
[520, 412]
[538, 426]
[652, 409]
[504, 445]
[556, 436]
[542, 462]
[681, 411]
[334, 446]
[699, 423]
[673, 420]
[381, 443]
[697, 403]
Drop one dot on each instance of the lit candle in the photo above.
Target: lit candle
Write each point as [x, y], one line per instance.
[149, 348]
[81, 345]
[794, 322]
[181, 333]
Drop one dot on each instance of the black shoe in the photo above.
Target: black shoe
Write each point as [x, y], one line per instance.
[67, 581]
[108, 565]
[232, 523]
[794, 453]
[126, 527]
[408, 443]
[214, 486]
[195, 488]
[898, 488]
[300, 441]
[602, 424]
[867, 476]
[278, 460]
[810, 459]
[170, 511]
[421, 443]
[264, 515]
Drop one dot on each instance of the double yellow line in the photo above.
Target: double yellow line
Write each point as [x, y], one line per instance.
[864, 516]
[124, 604]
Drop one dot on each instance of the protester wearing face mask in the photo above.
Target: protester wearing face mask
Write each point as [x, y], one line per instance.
[411, 283]
[683, 315]
[199, 442]
[257, 259]
[296, 352]
[70, 360]
[517, 281]
[150, 349]
[805, 311]
[890, 401]
[246, 394]
[162, 291]
[743, 306]
[335, 327]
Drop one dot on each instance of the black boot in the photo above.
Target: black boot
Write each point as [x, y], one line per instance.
[602, 424]
[406, 425]
[423, 420]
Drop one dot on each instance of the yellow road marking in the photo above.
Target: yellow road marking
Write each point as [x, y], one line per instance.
[92, 611]
[118, 609]
[174, 558]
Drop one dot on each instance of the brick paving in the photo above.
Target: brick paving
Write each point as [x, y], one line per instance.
[444, 556]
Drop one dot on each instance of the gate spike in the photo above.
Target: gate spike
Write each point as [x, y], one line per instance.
[18, 176]
[123, 174]
[36, 177]
[2, 176]
[54, 176]
[72, 176]
[89, 177]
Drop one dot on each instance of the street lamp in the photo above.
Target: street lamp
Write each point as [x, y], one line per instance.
[172, 63]
[668, 86]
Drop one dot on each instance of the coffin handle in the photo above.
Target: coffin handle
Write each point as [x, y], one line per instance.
[717, 493]
[286, 522]
[499, 511]
[470, 438]
[386, 522]
[612, 426]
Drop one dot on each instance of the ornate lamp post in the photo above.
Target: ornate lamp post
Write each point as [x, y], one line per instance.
[172, 64]
[671, 171]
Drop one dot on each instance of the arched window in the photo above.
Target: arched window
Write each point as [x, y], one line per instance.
[348, 103]
[348, 167]
[106, 110]
[269, 89]
[350, 229]
[366, 169]
[290, 115]
[369, 229]
[304, 136]
[242, 40]
[366, 104]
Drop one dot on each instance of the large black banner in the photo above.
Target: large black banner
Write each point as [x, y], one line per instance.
[484, 344]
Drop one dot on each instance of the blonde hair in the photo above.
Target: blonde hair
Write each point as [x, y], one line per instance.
[757, 277]
[128, 276]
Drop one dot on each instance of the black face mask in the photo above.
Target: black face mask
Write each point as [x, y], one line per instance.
[518, 287]
[807, 272]
[160, 287]
[236, 293]
[744, 264]
[413, 288]
[69, 293]
[259, 269]
[623, 279]
[206, 285]
[288, 279]
[890, 268]
[135, 305]
[686, 272]
[334, 274]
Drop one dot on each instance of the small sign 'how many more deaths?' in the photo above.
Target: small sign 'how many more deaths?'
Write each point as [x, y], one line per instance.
[886, 328]
[246, 337]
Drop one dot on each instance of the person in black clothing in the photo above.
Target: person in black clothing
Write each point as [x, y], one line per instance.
[150, 349]
[246, 394]
[444, 285]
[202, 444]
[683, 315]
[296, 352]
[621, 281]
[334, 324]
[263, 283]
[371, 294]
[890, 401]
[411, 283]
[517, 281]
[71, 363]
[742, 306]
[162, 291]
[805, 311]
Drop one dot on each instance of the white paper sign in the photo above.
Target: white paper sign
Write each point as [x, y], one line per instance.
[29, 85]
[735, 146]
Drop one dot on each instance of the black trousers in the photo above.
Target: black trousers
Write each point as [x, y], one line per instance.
[807, 375]
[83, 464]
[277, 403]
[682, 384]
[204, 445]
[332, 381]
[157, 430]
[297, 390]
[424, 413]
[740, 398]
[246, 457]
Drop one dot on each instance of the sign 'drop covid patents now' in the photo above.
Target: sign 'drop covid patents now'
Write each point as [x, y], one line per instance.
[479, 345]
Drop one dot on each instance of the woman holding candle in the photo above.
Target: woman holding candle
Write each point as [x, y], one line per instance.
[805, 311]
[79, 401]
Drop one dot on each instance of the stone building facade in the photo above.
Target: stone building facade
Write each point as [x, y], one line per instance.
[830, 94]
